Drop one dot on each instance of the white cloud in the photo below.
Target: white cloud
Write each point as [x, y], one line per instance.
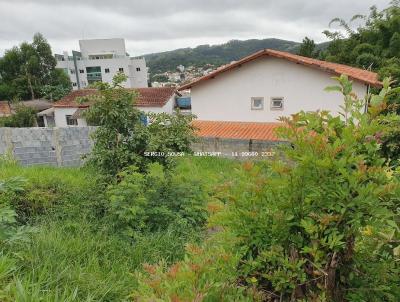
[158, 25]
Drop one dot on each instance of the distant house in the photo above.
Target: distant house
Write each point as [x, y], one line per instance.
[268, 84]
[8, 108]
[68, 111]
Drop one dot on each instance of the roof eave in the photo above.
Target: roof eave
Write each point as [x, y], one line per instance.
[267, 52]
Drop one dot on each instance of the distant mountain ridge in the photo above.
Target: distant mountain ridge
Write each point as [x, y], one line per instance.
[213, 54]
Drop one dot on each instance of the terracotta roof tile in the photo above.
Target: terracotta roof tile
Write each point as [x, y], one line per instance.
[147, 97]
[70, 100]
[154, 97]
[5, 109]
[364, 76]
[237, 130]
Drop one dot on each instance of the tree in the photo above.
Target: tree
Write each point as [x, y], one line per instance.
[394, 45]
[27, 69]
[123, 139]
[307, 48]
[374, 45]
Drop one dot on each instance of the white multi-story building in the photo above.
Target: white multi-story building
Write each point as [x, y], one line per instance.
[100, 60]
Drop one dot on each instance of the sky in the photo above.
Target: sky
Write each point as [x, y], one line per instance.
[159, 25]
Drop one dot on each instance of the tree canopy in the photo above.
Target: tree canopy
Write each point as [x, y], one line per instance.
[374, 45]
[28, 71]
[307, 48]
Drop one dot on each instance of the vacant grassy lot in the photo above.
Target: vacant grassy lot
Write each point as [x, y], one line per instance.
[66, 248]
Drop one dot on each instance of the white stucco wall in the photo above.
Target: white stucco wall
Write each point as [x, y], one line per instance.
[60, 117]
[167, 108]
[61, 113]
[115, 46]
[135, 68]
[136, 79]
[227, 97]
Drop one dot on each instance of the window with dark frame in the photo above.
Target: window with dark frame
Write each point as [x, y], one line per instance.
[107, 70]
[81, 71]
[71, 121]
[277, 103]
[257, 103]
[121, 69]
[137, 68]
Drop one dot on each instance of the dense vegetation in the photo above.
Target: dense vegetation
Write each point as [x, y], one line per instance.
[28, 72]
[22, 117]
[64, 237]
[320, 225]
[215, 55]
[374, 45]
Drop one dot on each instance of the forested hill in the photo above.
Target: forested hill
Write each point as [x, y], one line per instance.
[215, 54]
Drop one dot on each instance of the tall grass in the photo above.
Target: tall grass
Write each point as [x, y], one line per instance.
[70, 259]
[72, 254]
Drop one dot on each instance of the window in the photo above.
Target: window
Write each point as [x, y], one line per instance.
[93, 74]
[277, 103]
[81, 71]
[137, 68]
[71, 121]
[121, 69]
[74, 84]
[72, 71]
[257, 103]
[107, 70]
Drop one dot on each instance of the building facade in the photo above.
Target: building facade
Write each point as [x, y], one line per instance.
[100, 60]
[68, 111]
[270, 84]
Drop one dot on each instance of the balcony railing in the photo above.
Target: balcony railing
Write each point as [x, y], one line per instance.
[70, 58]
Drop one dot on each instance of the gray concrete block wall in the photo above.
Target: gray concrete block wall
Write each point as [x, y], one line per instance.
[64, 147]
[47, 146]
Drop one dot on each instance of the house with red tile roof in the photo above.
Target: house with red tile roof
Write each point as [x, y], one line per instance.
[68, 111]
[244, 99]
[9, 108]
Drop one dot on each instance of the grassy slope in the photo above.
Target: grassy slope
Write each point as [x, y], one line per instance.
[71, 255]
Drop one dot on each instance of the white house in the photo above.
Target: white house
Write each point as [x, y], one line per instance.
[269, 84]
[100, 60]
[67, 111]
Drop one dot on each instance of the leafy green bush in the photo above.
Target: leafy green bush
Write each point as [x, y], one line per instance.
[323, 225]
[122, 138]
[170, 133]
[23, 117]
[207, 273]
[156, 200]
